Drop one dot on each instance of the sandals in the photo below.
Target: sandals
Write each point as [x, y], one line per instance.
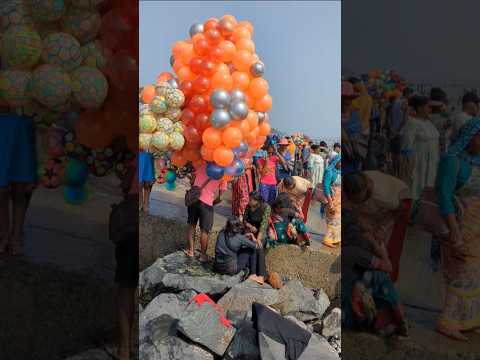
[451, 333]
[188, 253]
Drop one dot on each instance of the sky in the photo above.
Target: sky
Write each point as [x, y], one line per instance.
[299, 42]
[424, 41]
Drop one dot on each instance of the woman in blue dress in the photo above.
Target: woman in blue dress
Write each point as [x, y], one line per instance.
[146, 178]
[18, 176]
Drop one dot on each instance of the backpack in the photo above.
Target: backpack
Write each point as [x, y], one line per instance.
[192, 196]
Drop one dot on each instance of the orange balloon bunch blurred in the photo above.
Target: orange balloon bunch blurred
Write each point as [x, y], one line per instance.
[226, 97]
[116, 118]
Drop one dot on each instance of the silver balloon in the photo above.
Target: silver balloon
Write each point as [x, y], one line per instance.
[172, 60]
[195, 29]
[220, 99]
[173, 83]
[261, 116]
[220, 118]
[239, 110]
[257, 69]
[237, 95]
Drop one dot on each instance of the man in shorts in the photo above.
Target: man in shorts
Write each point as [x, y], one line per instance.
[202, 212]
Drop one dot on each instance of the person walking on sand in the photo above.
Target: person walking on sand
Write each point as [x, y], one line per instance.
[201, 212]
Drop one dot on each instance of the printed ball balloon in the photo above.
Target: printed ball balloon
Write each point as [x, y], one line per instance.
[89, 86]
[162, 90]
[177, 141]
[83, 24]
[62, 49]
[160, 141]
[13, 86]
[51, 86]
[94, 55]
[177, 127]
[175, 98]
[21, 48]
[159, 105]
[144, 141]
[47, 10]
[165, 125]
[13, 13]
[173, 114]
[147, 124]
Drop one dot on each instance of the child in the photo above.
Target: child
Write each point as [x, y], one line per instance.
[146, 177]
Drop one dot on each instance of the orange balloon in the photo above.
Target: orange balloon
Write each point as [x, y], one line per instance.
[242, 60]
[258, 88]
[207, 153]
[187, 53]
[250, 101]
[252, 119]
[241, 32]
[164, 76]
[241, 80]
[178, 159]
[242, 125]
[191, 154]
[185, 74]
[212, 138]
[223, 68]
[223, 156]
[227, 178]
[229, 18]
[259, 141]
[229, 50]
[211, 23]
[252, 136]
[148, 94]
[178, 49]
[264, 128]
[263, 104]
[232, 137]
[248, 25]
[177, 65]
[245, 44]
[256, 58]
[221, 80]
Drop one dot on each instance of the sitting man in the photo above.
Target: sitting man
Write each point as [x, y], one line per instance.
[300, 191]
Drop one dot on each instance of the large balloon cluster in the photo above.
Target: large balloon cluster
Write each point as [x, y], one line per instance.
[384, 83]
[226, 97]
[71, 64]
[160, 109]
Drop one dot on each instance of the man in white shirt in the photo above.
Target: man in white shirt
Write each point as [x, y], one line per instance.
[470, 107]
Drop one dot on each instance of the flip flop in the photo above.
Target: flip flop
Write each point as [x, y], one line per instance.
[331, 246]
[451, 334]
[203, 261]
[187, 253]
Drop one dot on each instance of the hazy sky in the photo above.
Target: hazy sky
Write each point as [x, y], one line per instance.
[426, 41]
[299, 42]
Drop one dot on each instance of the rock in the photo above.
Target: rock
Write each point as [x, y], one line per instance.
[244, 345]
[170, 304]
[242, 296]
[239, 318]
[318, 348]
[163, 342]
[298, 322]
[332, 324]
[269, 348]
[300, 302]
[140, 308]
[203, 323]
[176, 272]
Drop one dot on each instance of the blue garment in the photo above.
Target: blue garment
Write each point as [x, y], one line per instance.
[305, 154]
[354, 125]
[330, 175]
[397, 114]
[466, 133]
[281, 173]
[146, 167]
[18, 161]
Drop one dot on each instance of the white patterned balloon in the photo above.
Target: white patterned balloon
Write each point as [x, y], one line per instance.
[173, 114]
[83, 24]
[175, 98]
[165, 125]
[62, 49]
[13, 86]
[177, 141]
[160, 141]
[159, 105]
[147, 124]
[51, 86]
[45, 11]
[144, 141]
[89, 86]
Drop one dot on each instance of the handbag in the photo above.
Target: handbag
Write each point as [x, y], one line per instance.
[123, 220]
[192, 196]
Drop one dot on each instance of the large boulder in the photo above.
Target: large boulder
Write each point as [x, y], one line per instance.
[244, 345]
[302, 303]
[332, 324]
[163, 343]
[319, 348]
[203, 323]
[177, 272]
[242, 296]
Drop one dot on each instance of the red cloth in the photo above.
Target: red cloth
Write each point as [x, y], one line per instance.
[306, 204]
[395, 244]
[240, 195]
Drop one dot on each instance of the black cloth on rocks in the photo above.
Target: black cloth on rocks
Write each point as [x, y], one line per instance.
[281, 330]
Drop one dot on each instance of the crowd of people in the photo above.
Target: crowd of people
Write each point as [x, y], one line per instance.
[409, 160]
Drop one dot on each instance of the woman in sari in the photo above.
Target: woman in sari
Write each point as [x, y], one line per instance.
[451, 213]
[332, 192]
